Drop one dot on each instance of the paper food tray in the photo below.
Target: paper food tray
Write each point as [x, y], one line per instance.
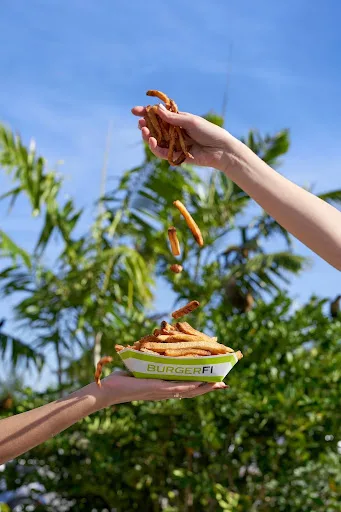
[199, 369]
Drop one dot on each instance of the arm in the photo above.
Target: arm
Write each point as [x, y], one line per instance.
[313, 221]
[23, 432]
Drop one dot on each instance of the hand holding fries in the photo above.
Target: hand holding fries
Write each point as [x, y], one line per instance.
[167, 136]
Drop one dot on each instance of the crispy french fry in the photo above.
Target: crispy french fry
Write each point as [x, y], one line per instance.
[181, 158]
[182, 143]
[154, 121]
[158, 94]
[239, 355]
[162, 124]
[190, 222]
[180, 336]
[174, 242]
[150, 126]
[167, 326]
[211, 346]
[157, 332]
[118, 348]
[184, 352]
[173, 106]
[149, 337]
[172, 142]
[177, 269]
[104, 360]
[188, 329]
[148, 351]
[188, 308]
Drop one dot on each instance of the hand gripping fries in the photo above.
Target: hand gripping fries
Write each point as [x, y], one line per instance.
[185, 310]
[190, 222]
[173, 240]
[167, 136]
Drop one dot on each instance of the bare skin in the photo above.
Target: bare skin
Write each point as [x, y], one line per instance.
[313, 221]
[24, 431]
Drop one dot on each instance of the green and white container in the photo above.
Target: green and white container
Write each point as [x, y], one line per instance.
[199, 369]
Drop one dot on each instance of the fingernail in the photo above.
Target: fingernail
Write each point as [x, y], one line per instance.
[162, 106]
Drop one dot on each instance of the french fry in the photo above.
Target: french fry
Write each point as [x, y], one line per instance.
[155, 123]
[183, 352]
[174, 242]
[104, 360]
[239, 355]
[168, 327]
[188, 329]
[191, 306]
[149, 337]
[182, 143]
[180, 336]
[177, 269]
[211, 346]
[147, 351]
[161, 95]
[190, 222]
[150, 126]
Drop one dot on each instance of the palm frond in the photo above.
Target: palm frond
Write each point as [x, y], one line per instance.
[19, 352]
[332, 197]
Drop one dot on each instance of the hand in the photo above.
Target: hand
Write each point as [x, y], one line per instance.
[120, 388]
[211, 145]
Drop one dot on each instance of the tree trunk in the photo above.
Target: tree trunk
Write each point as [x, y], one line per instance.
[97, 348]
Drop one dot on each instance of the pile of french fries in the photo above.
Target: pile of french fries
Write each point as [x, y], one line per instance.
[180, 339]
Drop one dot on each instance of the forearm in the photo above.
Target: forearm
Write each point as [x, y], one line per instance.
[313, 221]
[23, 432]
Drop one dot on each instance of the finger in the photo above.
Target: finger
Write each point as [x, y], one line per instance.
[206, 388]
[139, 111]
[161, 153]
[180, 388]
[142, 123]
[158, 152]
[220, 385]
[177, 119]
[146, 134]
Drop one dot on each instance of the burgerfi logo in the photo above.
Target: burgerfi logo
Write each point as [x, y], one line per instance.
[178, 370]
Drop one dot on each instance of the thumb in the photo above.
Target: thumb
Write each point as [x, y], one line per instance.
[176, 119]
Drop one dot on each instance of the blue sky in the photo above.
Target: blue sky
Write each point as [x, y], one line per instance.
[69, 68]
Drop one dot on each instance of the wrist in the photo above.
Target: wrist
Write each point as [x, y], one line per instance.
[235, 158]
